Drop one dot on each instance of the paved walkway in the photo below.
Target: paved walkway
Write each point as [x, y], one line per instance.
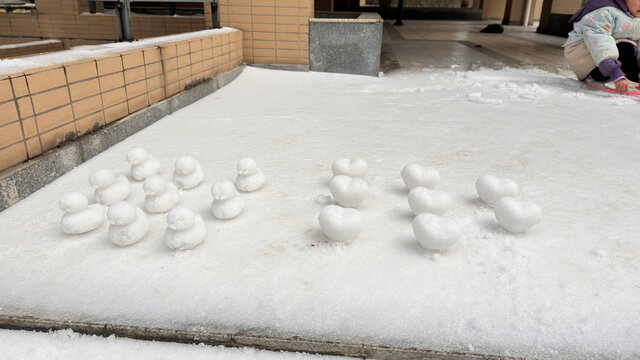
[443, 44]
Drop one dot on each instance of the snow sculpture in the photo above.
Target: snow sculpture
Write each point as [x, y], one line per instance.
[185, 229]
[435, 232]
[227, 203]
[79, 217]
[161, 195]
[143, 165]
[128, 224]
[355, 168]
[250, 177]
[348, 192]
[340, 224]
[423, 200]
[517, 216]
[109, 189]
[415, 175]
[188, 173]
[491, 189]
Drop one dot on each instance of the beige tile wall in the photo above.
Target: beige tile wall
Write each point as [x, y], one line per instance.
[274, 31]
[42, 108]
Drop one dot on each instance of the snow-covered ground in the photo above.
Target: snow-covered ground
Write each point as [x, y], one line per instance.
[567, 288]
[68, 345]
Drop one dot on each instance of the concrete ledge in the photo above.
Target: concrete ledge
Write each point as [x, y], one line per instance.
[295, 344]
[19, 182]
[282, 67]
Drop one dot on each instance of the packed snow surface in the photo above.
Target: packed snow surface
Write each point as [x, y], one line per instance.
[569, 287]
[68, 345]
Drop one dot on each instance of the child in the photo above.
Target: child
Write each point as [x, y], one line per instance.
[603, 44]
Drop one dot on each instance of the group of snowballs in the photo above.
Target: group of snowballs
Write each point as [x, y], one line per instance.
[128, 223]
[432, 230]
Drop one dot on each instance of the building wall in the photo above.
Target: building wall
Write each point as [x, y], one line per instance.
[567, 7]
[274, 31]
[493, 9]
[45, 107]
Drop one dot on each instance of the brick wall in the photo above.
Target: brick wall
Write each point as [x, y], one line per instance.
[28, 48]
[44, 107]
[274, 31]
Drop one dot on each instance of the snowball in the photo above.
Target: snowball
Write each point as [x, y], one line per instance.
[347, 191]
[490, 188]
[423, 200]
[435, 232]
[101, 178]
[340, 224]
[180, 218]
[247, 166]
[517, 216]
[185, 165]
[137, 156]
[72, 202]
[154, 185]
[122, 213]
[356, 167]
[223, 190]
[414, 175]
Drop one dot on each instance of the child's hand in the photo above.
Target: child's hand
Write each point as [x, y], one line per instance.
[622, 86]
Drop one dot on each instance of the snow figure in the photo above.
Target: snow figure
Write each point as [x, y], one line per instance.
[227, 203]
[250, 177]
[491, 189]
[355, 168]
[517, 216]
[109, 189]
[188, 173]
[79, 217]
[161, 195]
[340, 224]
[435, 232]
[415, 175]
[185, 229]
[143, 165]
[423, 200]
[129, 224]
[347, 191]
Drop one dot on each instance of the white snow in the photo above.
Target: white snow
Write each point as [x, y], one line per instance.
[347, 191]
[435, 232]
[515, 215]
[188, 173]
[11, 66]
[356, 167]
[547, 293]
[415, 175]
[31, 43]
[68, 345]
[490, 188]
[422, 200]
[185, 230]
[227, 203]
[340, 224]
[250, 177]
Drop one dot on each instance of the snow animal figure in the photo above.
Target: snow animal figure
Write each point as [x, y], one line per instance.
[109, 189]
[355, 168]
[435, 232]
[340, 224]
[491, 189]
[161, 195]
[414, 175]
[227, 203]
[422, 200]
[517, 216]
[250, 177]
[143, 165]
[79, 217]
[128, 224]
[185, 229]
[188, 173]
[347, 191]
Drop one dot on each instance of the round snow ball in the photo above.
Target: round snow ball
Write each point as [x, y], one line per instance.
[101, 178]
[122, 213]
[222, 190]
[154, 185]
[181, 218]
[247, 166]
[185, 165]
[137, 156]
[73, 202]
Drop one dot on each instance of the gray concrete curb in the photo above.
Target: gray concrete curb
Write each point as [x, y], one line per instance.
[19, 182]
[294, 344]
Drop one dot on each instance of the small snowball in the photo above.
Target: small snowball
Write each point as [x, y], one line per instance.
[340, 224]
[223, 190]
[246, 166]
[185, 165]
[101, 178]
[323, 199]
[137, 156]
[121, 213]
[154, 185]
[180, 218]
[73, 202]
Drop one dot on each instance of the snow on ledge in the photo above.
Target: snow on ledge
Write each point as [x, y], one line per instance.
[31, 43]
[11, 66]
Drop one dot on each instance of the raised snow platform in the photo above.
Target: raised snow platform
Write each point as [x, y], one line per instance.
[565, 289]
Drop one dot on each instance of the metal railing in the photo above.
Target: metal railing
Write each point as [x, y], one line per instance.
[123, 14]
